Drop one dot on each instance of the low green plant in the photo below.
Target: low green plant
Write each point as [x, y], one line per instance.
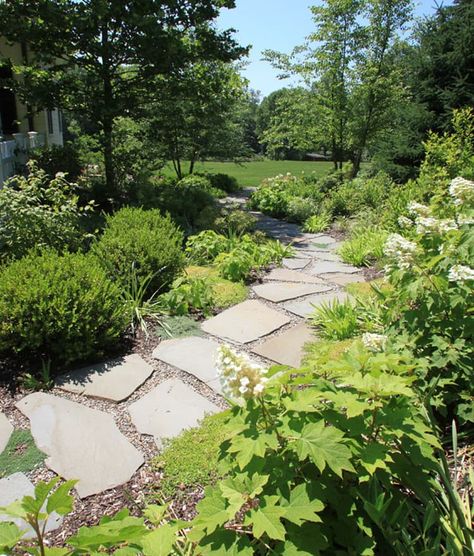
[300, 209]
[59, 307]
[227, 183]
[364, 247]
[37, 211]
[191, 459]
[196, 181]
[235, 222]
[178, 326]
[317, 223]
[42, 381]
[20, 454]
[145, 239]
[224, 292]
[204, 247]
[336, 320]
[187, 294]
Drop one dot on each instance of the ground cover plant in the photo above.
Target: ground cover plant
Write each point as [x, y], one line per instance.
[20, 454]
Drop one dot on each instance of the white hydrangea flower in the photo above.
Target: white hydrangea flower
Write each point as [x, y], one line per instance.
[240, 377]
[461, 190]
[464, 220]
[404, 222]
[400, 250]
[374, 342]
[431, 225]
[460, 273]
[417, 209]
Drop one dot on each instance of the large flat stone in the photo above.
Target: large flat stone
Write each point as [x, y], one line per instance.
[305, 307]
[326, 256]
[114, 380]
[6, 430]
[296, 264]
[342, 279]
[311, 241]
[287, 275]
[14, 488]
[283, 291]
[81, 443]
[194, 355]
[329, 267]
[168, 409]
[245, 322]
[286, 348]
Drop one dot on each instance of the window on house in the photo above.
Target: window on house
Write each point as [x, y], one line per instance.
[50, 121]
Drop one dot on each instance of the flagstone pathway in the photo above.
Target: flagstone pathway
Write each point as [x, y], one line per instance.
[172, 390]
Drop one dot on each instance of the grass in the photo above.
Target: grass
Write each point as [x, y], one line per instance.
[224, 292]
[21, 454]
[250, 174]
[191, 459]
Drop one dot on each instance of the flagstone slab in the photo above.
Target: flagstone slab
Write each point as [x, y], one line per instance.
[305, 307]
[321, 239]
[296, 264]
[287, 348]
[287, 275]
[168, 409]
[283, 291]
[13, 489]
[326, 256]
[81, 443]
[245, 322]
[194, 355]
[342, 279]
[114, 380]
[6, 430]
[329, 267]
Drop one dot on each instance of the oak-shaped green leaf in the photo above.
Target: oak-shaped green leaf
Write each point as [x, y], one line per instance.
[212, 511]
[160, 541]
[245, 448]
[61, 501]
[300, 508]
[10, 535]
[324, 446]
[375, 456]
[154, 513]
[225, 543]
[266, 519]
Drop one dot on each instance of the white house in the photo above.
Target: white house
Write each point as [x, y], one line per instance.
[19, 131]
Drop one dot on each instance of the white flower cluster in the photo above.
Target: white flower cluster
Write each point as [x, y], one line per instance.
[404, 222]
[460, 273]
[417, 209]
[400, 250]
[465, 220]
[239, 376]
[429, 225]
[374, 342]
[461, 190]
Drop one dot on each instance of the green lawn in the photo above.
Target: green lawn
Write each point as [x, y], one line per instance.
[252, 173]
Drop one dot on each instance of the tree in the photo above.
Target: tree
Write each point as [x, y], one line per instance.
[348, 63]
[197, 114]
[102, 55]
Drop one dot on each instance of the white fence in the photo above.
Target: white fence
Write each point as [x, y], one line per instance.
[14, 152]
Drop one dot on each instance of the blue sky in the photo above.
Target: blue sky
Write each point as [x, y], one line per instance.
[278, 25]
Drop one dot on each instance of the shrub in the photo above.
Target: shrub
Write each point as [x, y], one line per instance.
[300, 209]
[56, 158]
[187, 294]
[364, 247]
[206, 246]
[56, 307]
[224, 292]
[145, 240]
[38, 212]
[235, 222]
[225, 182]
[195, 181]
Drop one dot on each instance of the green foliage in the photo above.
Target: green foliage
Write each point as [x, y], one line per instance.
[224, 292]
[55, 158]
[336, 320]
[227, 183]
[37, 211]
[204, 247]
[235, 222]
[200, 182]
[191, 459]
[300, 209]
[21, 454]
[178, 327]
[144, 239]
[364, 247]
[317, 223]
[62, 308]
[187, 294]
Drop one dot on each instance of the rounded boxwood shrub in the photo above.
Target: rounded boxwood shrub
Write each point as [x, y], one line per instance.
[58, 307]
[144, 240]
[227, 183]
